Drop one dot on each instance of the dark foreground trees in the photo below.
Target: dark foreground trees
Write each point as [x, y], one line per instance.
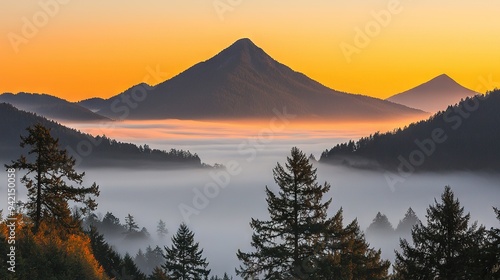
[300, 241]
[50, 175]
[446, 248]
[184, 259]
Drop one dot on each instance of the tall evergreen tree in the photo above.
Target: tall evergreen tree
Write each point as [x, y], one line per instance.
[130, 224]
[158, 274]
[300, 242]
[491, 254]
[287, 242]
[446, 248]
[130, 270]
[154, 258]
[104, 254]
[406, 224]
[184, 259]
[141, 261]
[161, 229]
[380, 225]
[349, 255]
[49, 178]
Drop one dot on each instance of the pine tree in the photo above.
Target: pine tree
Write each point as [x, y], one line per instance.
[300, 242]
[224, 277]
[491, 254]
[104, 254]
[410, 219]
[130, 270]
[141, 261]
[130, 224]
[349, 255]
[380, 226]
[154, 258]
[161, 229]
[50, 173]
[158, 274]
[184, 258]
[446, 248]
[286, 243]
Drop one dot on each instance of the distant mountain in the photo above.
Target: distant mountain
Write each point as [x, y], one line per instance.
[433, 95]
[464, 137]
[86, 149]
[93, 104]
[242, 81]
[50, 107]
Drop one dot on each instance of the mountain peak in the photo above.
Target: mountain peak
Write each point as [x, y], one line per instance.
[243, 81]
[244, 55]
[244, 46]
[433, 95]
[244, 41]
[443, 78]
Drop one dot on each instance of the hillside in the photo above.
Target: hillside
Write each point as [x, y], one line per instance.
[86, 149]
[243, 81]
[51, 107]
[461, 138]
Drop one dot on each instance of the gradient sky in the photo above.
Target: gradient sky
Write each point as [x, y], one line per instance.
[82, 49]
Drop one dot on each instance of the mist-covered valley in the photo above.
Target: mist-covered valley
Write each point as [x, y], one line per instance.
[218, 204]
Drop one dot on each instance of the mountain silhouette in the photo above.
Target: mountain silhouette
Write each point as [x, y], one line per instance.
[97, 151]
[93, 104]
[242, 81]
[433, 95]
[463, 137]
[51, 107]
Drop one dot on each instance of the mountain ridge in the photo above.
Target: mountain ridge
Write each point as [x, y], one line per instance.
[242, 81]
[457, 138]
[51, 107]
[99, 150]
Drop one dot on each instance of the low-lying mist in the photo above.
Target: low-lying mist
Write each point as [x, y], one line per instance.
[218, 204]
[221, 223]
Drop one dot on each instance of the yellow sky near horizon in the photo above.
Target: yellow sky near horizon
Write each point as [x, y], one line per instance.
[81, 49]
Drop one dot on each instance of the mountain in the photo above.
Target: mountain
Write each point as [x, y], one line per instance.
[434, 95]
[242, 81]
[464, 137]
[51, 107]
[93, 104]
[86, 149]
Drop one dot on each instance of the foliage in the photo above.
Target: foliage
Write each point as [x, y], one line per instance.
[130, 224]
[380, 226]
[409, 221]
[466, 141]
[446, 248]
[161, 229]
[158, 274]
[51, 253]
[149, 260]
[300, 241]
[184, 258]
[105, 151]
[50, 173]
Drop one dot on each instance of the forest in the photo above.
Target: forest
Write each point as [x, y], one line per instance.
[86, 149]
[459, 138]
[45, 238]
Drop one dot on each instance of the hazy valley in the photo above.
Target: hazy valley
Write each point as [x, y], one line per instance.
[200, 148]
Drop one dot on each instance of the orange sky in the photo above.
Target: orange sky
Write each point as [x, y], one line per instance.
[81, 49]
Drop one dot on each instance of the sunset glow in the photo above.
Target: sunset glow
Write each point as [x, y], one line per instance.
[82, 49]
[149, 131]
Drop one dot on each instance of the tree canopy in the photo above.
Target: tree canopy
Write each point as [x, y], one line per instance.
[51, 179]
